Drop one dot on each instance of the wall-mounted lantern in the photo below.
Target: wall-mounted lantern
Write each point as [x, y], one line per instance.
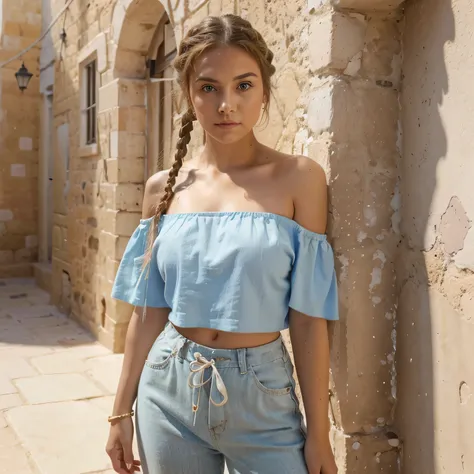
[23, 77]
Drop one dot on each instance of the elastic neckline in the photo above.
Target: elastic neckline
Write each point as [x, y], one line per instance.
[263, 214]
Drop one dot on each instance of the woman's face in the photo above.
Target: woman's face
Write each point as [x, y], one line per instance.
[226, 92]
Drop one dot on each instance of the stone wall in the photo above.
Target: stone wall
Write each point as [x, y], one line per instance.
[20, 25]
[435, 414]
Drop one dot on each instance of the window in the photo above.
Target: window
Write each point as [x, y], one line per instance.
[90, 110]
[88, 83]
[92, 62]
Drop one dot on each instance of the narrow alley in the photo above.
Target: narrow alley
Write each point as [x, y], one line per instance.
[56, 388]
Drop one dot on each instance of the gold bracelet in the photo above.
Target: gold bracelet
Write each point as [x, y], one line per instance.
[120, 417]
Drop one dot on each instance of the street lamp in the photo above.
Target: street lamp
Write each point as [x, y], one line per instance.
[23, 77]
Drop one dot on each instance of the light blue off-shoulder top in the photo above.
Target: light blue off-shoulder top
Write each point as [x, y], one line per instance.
[231, 271]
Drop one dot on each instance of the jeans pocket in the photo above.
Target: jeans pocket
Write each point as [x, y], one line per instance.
[272, 377]
[160, 354]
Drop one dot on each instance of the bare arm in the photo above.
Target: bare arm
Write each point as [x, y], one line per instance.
[140, 334]
[138, 342]
[309, 335]
[309, 339]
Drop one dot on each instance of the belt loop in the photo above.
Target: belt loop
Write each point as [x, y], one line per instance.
[181, 348]
[242, 355]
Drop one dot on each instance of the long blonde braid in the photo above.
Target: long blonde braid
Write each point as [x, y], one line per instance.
[181, 151]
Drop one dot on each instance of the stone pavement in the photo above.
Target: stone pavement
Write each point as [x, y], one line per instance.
[56, 388]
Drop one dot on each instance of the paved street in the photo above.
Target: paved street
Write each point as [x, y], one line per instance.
[56, 388]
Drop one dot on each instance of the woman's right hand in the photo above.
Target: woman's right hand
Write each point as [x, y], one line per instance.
[119, 447]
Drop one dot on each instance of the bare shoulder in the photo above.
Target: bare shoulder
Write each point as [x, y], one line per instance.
[307, 183]
[154, 189]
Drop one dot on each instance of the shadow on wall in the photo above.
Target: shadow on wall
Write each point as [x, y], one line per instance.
[429, 26]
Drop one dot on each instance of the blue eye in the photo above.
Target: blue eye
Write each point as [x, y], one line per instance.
[245, 86]
[208, 88]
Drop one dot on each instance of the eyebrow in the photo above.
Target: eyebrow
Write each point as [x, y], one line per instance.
[236, 78]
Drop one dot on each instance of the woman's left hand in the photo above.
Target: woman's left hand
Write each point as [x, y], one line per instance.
[319, 457]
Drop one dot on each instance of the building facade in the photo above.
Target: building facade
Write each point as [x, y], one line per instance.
[377, 91]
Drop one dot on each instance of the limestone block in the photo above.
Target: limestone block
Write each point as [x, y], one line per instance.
[107, 218]
[14, 459]
[59, 363]
[57, 235]
[56, 388]
[379, 129]
[126, 170]
[109, 244]
[114, 338]
[108, 96]
[12, 242]
[117, 312]
[15, 367]
[6, 387]
[23, 227]
[381, 61]
[26, 255]
[6, 256]
[31, 241]
[129, 119]
[122, 93]
[16, 270]
[336, 38]
[55, 450]
[130, 64]
[105, 371]
[126, 223]
[127, 145]
[129, 197]
[320, 107]
[111, 267]
[6, 215]
[10, 401]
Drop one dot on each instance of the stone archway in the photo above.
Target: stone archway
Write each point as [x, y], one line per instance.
[122, 129]
[134, 23]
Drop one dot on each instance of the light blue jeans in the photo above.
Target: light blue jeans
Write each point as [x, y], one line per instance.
[198, 407]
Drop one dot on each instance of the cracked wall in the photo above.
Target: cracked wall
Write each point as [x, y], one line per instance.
[435, 414]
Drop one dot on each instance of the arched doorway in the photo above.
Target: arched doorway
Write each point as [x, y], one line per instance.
[145, 46]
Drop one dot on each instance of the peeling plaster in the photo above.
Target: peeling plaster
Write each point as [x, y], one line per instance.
[354, 65]
[396, 204]
[361, 236]
[454, 226]
[370, 216]
[345, 265]
[377, 271]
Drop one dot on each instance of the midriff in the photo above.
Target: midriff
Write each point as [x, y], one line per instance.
[226, 340]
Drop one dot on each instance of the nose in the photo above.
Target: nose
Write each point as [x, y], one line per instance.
[226, 104]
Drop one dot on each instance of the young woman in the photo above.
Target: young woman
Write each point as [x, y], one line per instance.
[230, 251]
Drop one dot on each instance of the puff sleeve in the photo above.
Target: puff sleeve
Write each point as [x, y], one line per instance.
[131, 283]
[313, 277]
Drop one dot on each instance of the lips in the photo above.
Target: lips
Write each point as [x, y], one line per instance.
[227, 124]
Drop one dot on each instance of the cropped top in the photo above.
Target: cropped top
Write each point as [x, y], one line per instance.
[231, 271]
